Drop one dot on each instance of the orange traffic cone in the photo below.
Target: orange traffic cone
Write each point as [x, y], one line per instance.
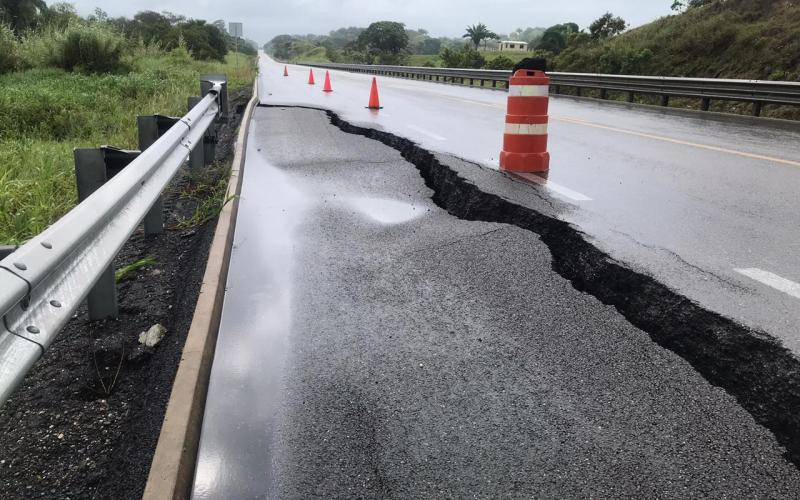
[374, 102]
[327, 87]
[311, 77]
[285, 71]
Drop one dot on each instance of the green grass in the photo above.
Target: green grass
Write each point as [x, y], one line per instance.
[208, 188]
[46, 113]
[126, 271]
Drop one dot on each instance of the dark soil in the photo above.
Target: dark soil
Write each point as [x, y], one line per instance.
[86, 421]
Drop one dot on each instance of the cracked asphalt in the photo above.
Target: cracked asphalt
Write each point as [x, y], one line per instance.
[690, 198]
[374, 346]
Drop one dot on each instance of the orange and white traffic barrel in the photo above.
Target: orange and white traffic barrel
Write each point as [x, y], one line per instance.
[525, 139]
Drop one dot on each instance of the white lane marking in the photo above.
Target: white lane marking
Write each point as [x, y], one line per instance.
[429, 134]
[552, 186]
[779, 283]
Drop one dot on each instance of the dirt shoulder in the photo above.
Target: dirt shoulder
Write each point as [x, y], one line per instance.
[86, 421]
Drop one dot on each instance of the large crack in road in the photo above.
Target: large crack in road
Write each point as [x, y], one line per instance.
[752, 366]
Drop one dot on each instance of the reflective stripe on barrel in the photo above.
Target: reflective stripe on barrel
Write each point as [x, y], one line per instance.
[526, 128]
[529, 91]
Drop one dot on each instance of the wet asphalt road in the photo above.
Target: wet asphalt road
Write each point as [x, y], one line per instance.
[692, 199]
[374, 346]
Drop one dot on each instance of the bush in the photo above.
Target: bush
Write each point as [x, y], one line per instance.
[465, 57]
[501, 62]
[90, 48]
[8, 49]
[93, 48]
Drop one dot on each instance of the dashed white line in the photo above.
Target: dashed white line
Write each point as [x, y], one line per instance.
[779, 283]
[556, 188]
[428, 133]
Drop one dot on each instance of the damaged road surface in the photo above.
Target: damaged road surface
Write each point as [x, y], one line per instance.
[374, 345]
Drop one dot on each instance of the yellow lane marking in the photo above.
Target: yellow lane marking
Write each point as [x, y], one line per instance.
[678, 141]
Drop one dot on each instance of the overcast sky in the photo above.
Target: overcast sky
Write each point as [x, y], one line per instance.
[264, 19]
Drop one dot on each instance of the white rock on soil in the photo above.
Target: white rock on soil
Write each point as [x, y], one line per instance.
[153, 336]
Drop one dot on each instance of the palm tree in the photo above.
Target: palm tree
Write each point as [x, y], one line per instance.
[478, 33]
[21, 14]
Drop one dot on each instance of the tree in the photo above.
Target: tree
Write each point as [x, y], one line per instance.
[386, 40]
[280, 46]
[555, 38]
[478, 33]
[220, 25]
[607, 26]
[680, 5]
[204, 41]
[22, 14]
[59, 15]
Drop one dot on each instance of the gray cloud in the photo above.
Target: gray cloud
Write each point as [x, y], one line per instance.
[264, 19]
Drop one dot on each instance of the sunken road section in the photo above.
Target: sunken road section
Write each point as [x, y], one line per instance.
[755, 368]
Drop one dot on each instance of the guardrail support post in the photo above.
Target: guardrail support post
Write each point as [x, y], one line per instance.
[757, 108]
[197, 157]
[603, 94]
[150, 129]
[90, 174]
[209, 140]
[207, 83]
[6, 250]
[665, 100]
[705, 104]
[578, 91]
[631, 96]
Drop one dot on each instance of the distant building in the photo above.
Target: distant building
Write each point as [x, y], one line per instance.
[511, 45]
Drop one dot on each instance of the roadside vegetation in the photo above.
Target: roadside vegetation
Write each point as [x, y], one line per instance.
[73, 82]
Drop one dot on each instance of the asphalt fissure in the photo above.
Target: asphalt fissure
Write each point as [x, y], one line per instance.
[752, 366]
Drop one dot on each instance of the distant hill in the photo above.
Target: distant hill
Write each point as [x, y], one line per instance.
[752, 39]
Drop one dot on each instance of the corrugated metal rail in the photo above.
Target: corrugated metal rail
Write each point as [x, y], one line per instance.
[44, 281]
[758, 92]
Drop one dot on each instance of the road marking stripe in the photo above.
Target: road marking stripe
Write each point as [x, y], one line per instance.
[425, 132]
[678, 141]
[779, 283]
[526, 128]
[552, 186]
[529, 91]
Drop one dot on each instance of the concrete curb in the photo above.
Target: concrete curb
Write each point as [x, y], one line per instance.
[172, 469]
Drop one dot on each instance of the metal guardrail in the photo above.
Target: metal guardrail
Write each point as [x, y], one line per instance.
[43, 282]
[758, 92]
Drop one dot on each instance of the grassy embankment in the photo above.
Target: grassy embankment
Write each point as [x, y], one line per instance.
[45, 113]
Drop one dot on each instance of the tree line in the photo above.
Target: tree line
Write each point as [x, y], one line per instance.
[388, 42]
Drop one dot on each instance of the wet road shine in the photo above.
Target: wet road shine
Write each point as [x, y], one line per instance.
[373, 345]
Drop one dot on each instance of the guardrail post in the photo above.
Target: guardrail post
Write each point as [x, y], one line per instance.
[150, 129]
[578, 91]
[603, 94]
[90, 174]
[197, 157]
[757, 108]
[631, 96]
[705, 104]
[6, 250]
[209, 139]
[665, 100]
[207, 83]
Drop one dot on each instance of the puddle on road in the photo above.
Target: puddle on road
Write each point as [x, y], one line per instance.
[387, 211]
